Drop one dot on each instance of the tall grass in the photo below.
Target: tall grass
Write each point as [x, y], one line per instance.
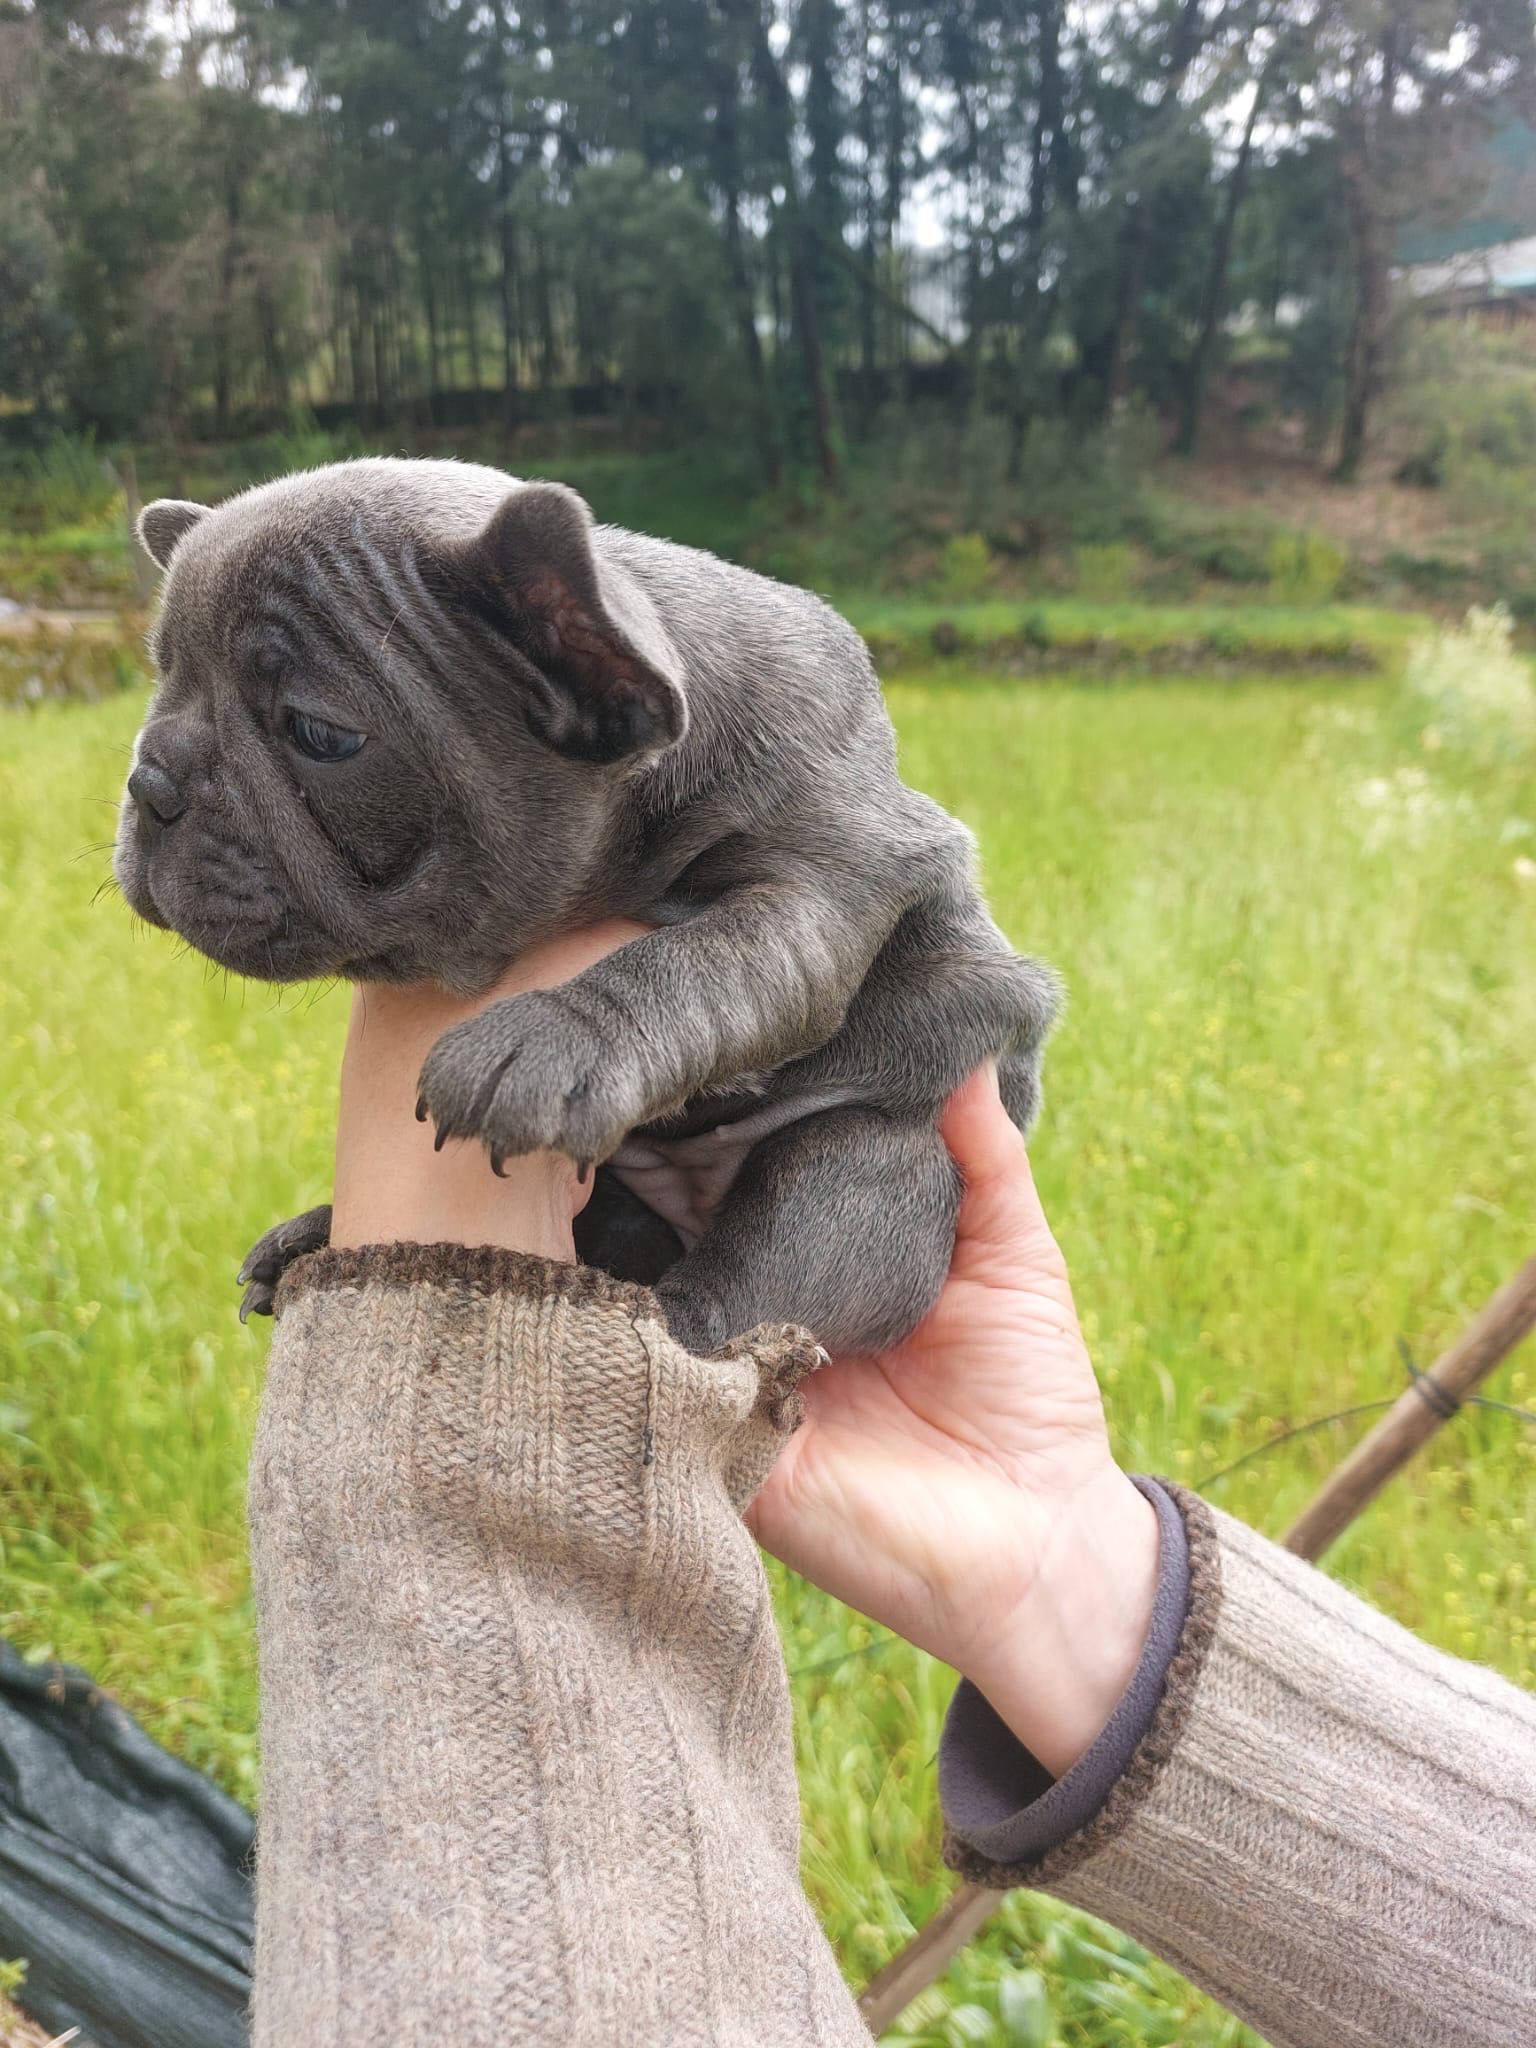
[1291, 1120]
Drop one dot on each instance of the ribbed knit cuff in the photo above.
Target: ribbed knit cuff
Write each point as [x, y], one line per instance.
[1008, 1821]
[1331, 1827]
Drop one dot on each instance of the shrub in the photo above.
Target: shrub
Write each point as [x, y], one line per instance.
[1424, 466]
[1431, 576]
[67, 482]
[302, 444]
[1464, 418]
[1231, 558]
[965, 566]
[1107, 571]
[1304, 568]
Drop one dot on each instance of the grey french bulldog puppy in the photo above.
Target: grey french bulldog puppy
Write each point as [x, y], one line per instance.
[413, 716]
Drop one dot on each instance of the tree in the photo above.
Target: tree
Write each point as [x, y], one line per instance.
[34, 330]
[1400, 82]
[379, 202]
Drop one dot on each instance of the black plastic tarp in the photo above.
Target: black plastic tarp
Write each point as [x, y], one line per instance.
[125, 1875]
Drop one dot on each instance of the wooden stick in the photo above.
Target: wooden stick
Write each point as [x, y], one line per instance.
[1423, 1408]
[927, 1955]
[1426, 1406]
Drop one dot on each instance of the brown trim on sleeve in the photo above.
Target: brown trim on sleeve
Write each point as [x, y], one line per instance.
[484, 1268]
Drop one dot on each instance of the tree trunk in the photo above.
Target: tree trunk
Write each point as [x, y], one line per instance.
[544, 309]
[893, 197]
[773, 94]
[223, 333]
[434, 338]
[1366, 358]
[775, 248]
[506, 230]
[728, 178]
[471, 318]
[869, 342]
[1364, 159]
[744, 307]
[1213, 299]
[807, 316]
[273, 356]
[1142, 227]
[1048, 174]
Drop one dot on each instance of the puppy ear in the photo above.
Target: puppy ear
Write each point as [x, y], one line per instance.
[613, 687]
[163, 524]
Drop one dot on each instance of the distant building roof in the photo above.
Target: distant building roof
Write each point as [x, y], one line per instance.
[1500, 217]
[1489, 252]
[1504, 271]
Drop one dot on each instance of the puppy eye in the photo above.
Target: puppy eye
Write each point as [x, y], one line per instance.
[320, 740]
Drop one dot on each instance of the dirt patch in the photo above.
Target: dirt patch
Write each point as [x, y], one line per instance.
[1273, 475]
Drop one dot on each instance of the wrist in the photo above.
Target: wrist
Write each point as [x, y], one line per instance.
[435, 1199]
[394, 1185]
[1055, 1664]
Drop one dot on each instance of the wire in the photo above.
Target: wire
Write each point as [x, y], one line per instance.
[1424, 1384]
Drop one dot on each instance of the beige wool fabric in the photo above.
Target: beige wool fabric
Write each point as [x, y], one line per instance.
[527, 1761]
[1329, 1825]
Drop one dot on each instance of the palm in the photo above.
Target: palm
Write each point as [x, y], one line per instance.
[994, 1383]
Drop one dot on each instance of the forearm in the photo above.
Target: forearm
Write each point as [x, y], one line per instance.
[759, 976]
[527, 1769]
[1322, 1821]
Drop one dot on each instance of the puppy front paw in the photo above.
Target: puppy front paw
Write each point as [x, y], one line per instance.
[270, 1256]
[531, 1074]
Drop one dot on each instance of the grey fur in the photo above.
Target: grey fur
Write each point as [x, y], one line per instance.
[565, 721]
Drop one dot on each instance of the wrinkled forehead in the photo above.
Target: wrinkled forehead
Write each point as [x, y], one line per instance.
[281, 576]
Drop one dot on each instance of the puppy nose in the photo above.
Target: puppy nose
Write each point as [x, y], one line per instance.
[155, 794]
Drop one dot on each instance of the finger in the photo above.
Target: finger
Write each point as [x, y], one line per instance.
[1000, 1204]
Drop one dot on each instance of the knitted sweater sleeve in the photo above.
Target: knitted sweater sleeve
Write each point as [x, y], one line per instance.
[527, 1769]
[1325, 1823]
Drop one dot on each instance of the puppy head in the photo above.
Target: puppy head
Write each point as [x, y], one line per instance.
[396, 706]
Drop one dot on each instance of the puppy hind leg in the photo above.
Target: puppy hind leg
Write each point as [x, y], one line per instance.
[843, 1223]
[617, 1233]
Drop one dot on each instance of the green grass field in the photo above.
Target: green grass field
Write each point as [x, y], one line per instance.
[1291, 1120]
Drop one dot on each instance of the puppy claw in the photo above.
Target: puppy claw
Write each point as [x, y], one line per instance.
[258, 1300]
[441, 1139]
[421, 1109]
[499, 1165]
[583, 1169]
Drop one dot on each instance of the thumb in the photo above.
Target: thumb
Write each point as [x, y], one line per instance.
[1000, 1209]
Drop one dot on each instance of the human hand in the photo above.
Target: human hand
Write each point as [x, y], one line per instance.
[391, 1182]
[960, 1489]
